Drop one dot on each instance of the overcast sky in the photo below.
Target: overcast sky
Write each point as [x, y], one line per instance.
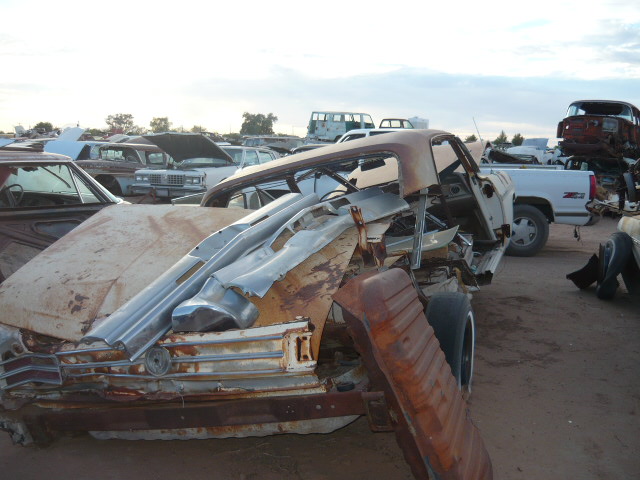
[512, 66]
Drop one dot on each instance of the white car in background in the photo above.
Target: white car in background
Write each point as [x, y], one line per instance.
[365, 132]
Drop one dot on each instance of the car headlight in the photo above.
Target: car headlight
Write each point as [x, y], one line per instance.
[609, 125]
[142, 178]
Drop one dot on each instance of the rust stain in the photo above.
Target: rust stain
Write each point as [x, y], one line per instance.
[183, 350]
[402, 354]
[77, 304]
[307, 289]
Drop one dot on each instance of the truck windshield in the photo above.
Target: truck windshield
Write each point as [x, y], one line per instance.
[600, 108]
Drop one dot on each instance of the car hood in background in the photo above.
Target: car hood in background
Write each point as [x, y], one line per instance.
[188, 145]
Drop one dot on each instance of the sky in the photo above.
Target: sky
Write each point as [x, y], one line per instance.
[510, 66]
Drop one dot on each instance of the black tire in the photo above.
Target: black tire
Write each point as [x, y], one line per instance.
[111, 184]
[529, 232]
[453, 322]
[612, 260]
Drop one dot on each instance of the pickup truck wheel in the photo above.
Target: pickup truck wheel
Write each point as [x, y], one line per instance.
[612, 260]
[530, 231]
[453, 322]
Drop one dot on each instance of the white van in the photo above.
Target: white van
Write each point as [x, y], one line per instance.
[330, 126]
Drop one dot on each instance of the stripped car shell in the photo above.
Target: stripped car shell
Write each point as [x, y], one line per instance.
[236, 332]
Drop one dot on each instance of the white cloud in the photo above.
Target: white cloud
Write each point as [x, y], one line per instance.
[205, 63]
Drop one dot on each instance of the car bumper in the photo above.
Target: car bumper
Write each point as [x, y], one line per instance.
[167, 191]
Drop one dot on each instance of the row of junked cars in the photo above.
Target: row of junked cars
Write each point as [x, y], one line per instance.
[343, 291]
[297, 294]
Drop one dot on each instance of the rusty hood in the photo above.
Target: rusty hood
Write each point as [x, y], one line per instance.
[102, 264]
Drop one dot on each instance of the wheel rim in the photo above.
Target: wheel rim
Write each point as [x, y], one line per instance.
[524, 231]
[468, 351]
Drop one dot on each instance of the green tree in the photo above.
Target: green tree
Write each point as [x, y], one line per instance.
[136, 130]
[517, 140]
[45, 125]
[257, 124]
[198, 129]
[160, 124]
[502, 138]
[471, 138]
[120, 122]
[96, 132]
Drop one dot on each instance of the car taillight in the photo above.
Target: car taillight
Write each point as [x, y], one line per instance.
[592, 186]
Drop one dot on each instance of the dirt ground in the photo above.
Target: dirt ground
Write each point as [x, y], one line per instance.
[556, 395]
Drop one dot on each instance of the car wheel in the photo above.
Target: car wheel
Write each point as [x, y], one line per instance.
[453, 322]
[612, 260]
[111, 184]
[530, 231]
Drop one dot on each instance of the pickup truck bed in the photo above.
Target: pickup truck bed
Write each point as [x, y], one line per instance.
[545, 194]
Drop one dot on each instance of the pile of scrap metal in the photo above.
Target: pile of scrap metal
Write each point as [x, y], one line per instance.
[602, 136]
[345, 294]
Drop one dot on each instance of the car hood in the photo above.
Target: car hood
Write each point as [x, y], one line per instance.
[185, 145]
[107, 260]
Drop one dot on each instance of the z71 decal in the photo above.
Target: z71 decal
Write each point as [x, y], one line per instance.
[577, 195]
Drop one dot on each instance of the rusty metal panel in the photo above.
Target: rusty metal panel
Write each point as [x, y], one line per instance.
[270, 360]
[307, 290]
[313, 413]
[117, 253]
[404, 359]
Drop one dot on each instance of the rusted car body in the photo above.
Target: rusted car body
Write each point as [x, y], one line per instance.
[604, 127]
[42, 197]
[117, 164]
[190, 322]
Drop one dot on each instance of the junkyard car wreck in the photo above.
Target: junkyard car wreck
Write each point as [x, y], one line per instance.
[296, 317]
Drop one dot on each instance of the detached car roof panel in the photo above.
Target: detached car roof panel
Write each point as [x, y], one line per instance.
[412, 148]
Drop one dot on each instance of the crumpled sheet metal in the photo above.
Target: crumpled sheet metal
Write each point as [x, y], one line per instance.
[255, 273]
[403, 357]
[307, 290]
[139, 323]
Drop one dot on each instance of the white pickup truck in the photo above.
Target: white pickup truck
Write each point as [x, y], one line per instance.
[545, 194]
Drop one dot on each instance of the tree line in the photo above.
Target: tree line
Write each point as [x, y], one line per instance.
[516, 141]
[253, 124]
